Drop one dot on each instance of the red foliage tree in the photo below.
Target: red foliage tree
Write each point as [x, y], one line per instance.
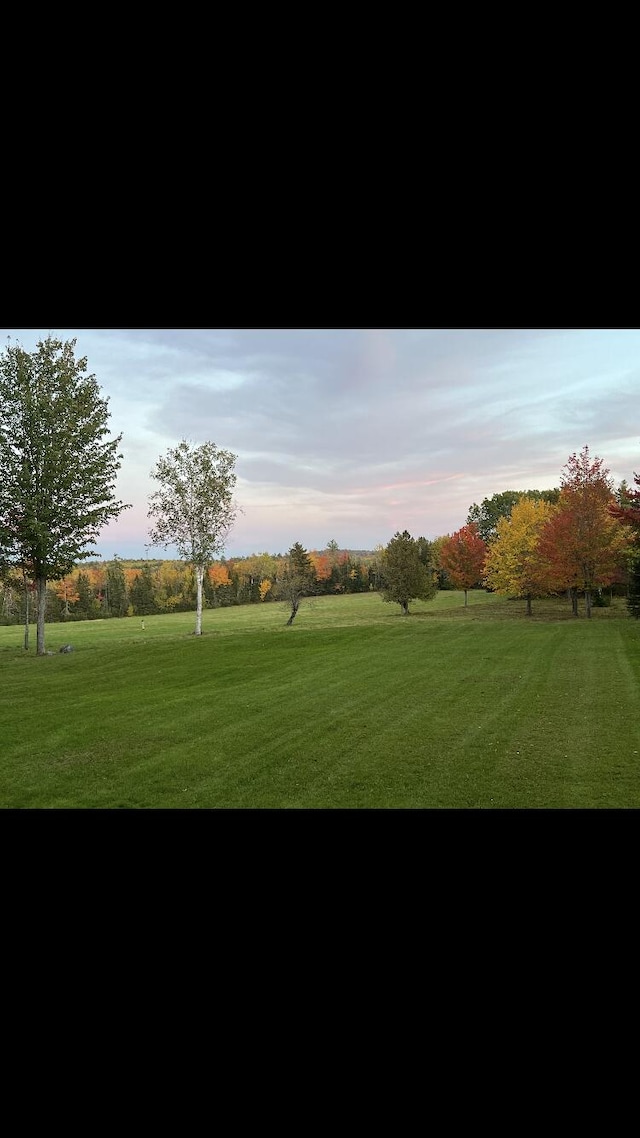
[462, 556]
[582, 542]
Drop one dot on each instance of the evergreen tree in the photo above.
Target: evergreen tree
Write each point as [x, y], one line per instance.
[300, 562]
[142, 593]
[405, 577]
[117, 599]
[85, 605]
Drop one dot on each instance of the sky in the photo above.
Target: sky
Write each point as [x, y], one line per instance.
[353, 434]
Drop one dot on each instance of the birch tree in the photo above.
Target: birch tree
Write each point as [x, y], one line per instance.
[58, 468]
[193, 509]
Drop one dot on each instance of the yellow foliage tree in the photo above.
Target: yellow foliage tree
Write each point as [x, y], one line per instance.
[170, 580]
[514, 566]
[66, 591]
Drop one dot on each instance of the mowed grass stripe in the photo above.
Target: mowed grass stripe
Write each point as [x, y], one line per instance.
[358, 711]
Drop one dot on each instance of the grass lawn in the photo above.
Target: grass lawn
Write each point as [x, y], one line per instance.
[354, 706]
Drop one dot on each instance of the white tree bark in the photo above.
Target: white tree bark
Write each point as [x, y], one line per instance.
[199, 579]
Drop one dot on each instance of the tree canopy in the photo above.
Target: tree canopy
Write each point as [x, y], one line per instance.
[194, 509]
[59, 466]
[488, 514]
[627, 511]
[627, 507]
[583, 542]
[405, 577]
[513, 566]
[462, 557]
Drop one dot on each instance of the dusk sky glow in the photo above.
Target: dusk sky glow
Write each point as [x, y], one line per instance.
[354, 434]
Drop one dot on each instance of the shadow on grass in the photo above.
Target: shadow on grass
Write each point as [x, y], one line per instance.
[546, 609]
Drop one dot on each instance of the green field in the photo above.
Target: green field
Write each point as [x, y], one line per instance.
[354, 706]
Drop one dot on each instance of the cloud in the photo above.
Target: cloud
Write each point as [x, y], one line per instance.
[355, 433]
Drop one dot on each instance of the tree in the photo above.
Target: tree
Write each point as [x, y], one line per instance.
[86, 598]
[627, 510]
[627, 506]
[487, 516]
[253, 570]
[142, 593]
[194, 508]
[219, 578]
[443, 581]
[405, 577]
[67, 592]
[9, 586]
[425, 552]
[462, 557]
[58, 467]
[29, 587]
[633, 600]
[321, 569]
[583, 542]
[116, 586]
[513, 565]
[295, 580]
[581, 557]
[14, 584]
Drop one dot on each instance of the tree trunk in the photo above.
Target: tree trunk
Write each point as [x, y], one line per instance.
[465, 598]
[41, 586]
[574, 601]
[587, 602]
[295, 605]
[528, 604]
[405, 608]
[199, 579]
[26, 613]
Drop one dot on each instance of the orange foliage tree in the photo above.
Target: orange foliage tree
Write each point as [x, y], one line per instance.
[321, 565]
[583, 544]
[66, 590]
[218, 575]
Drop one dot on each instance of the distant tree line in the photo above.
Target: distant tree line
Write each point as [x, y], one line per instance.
[125, 588]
